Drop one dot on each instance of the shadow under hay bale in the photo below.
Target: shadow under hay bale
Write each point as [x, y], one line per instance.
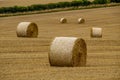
[68, 51]
[27, 29]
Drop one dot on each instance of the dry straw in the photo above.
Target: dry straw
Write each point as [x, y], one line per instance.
[81, 20]
[27, 29]
[68, 51]
[96, 32]
[63, 20]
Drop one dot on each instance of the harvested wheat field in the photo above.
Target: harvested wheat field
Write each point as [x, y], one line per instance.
[7, 3]
[27, 58]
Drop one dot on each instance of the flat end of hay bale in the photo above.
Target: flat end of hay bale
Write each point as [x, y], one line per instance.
[79, 52]
[27, 29]
[63, 20]
[96, 32]
[68, 51]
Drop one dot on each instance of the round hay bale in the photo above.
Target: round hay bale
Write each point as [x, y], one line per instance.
[96, 32]
[68, 51]
[81, 20]
[63, 20]
[27, 29]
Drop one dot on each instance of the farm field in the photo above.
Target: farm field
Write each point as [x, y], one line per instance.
[27, 58]
[7, 3]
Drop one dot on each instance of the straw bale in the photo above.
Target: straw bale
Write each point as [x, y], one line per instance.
[81, 20]
[27, 29]
[63, 20]
[96, 32]
[68, 51]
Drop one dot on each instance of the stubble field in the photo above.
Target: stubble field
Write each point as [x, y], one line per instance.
[27, 58]
[7, 3]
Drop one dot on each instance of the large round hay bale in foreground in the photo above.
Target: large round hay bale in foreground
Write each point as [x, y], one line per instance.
[27, 29]
[96, 32]
[68, 51]
[81, 20]
[63, 20]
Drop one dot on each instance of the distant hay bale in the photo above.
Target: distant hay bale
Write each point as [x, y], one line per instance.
[27, 29]
[68, 51]
[81, 20]
[63, 20]
[96, 32]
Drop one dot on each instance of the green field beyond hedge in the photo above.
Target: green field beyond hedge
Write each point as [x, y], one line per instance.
[38, 7]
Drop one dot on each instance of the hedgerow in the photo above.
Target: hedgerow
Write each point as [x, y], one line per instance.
[36, 7]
